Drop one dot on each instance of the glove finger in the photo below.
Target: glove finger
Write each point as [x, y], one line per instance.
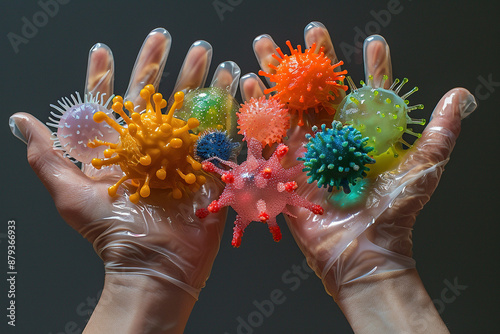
[377, 59]
[251, 86]
[63, 179]
[227, 76]
[425, 162]
[100, 71]
[264, 49]
[316, 32]
[148, 67]
[194, 70]
[440, 135]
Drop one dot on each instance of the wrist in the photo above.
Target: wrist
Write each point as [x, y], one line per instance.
[392, 302]
[140, 304]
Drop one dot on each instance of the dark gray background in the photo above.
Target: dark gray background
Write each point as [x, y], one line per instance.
[438, 45]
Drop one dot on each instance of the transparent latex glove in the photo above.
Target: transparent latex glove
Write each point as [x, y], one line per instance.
[371, 235]
[159, 237]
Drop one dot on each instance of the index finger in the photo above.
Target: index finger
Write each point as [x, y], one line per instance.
[439, 137]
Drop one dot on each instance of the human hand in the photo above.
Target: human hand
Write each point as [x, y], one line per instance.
[371, 235]
[159, 237]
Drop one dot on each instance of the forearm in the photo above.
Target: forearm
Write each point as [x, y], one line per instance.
[394, 302]
[140, 304]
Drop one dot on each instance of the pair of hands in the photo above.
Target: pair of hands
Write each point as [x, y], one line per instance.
[164, 239]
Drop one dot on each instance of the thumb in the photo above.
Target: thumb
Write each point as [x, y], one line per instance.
[426, 160]
[440, 135]
[55, 171]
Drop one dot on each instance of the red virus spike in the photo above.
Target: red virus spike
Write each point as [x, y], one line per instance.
[317, 209]
[281, 151]
[227, 178]
[291, 186]
[266, 173]
[213, 207]
[305, 80]
[263, 217]
[208, 166]
[238, 229]
[255, 200]
[275, 230]
[202, 213]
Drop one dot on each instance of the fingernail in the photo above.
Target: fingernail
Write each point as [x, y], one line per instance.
[203, 44]
[377, 60]
[467, 106]
[162, 31]
[233, 70]
[266, 49]
[312, 25]
[15, 130]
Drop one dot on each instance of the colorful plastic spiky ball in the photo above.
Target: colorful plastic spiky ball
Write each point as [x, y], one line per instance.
[305, 80]
[213, 107]
[336, 157]
[154, 150]
[379, 114]
[258, 190]
[215, 144]
[263, 119]
[76, 127]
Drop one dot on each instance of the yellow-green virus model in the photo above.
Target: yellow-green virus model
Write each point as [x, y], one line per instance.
[379, 114]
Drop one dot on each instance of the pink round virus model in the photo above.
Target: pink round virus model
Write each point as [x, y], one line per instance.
[263, 119]
[75, 126]
[258, 190]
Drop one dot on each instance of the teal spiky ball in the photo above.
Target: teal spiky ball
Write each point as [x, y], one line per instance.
[336, 157]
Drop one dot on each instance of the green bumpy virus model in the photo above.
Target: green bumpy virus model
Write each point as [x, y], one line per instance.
[379, 114]
[336, 157]
[214, 107]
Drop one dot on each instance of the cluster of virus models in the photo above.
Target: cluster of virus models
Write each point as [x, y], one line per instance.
[305, 80]
[74, 126]
[258, 190]
[266, 120]
[336, 157]
[379, 114]
[213, 107]
[154, 150]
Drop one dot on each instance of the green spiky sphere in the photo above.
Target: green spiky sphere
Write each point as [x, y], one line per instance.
[336, 157]
[214, 107]
[379, 114]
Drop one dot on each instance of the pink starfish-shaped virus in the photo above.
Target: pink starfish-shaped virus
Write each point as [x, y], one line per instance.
[258, 190]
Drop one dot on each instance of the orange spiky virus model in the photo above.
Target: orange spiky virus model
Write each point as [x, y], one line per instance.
[263, 119]
[305, 80]
[154, 150]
